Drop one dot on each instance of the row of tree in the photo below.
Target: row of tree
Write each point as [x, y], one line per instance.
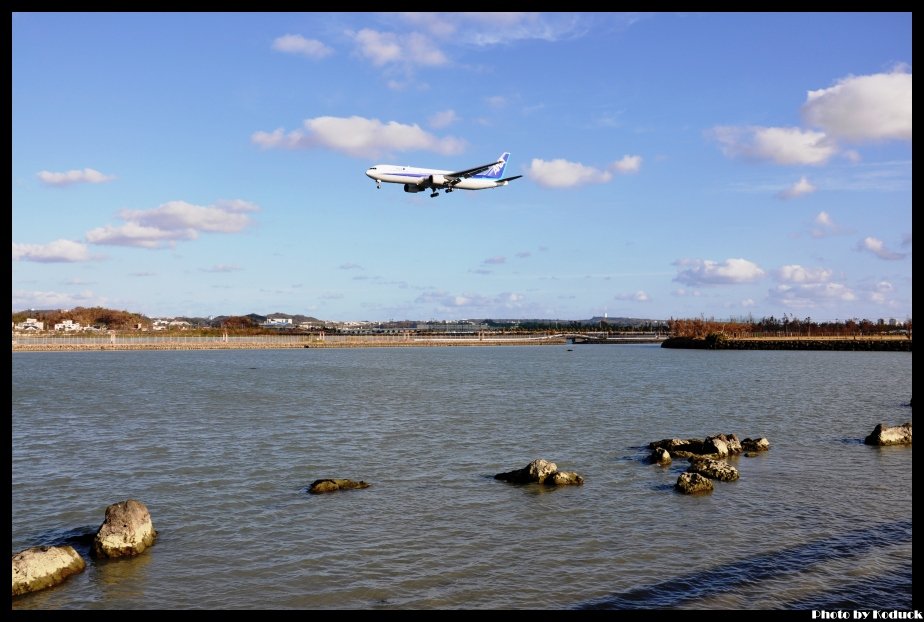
[788, 326]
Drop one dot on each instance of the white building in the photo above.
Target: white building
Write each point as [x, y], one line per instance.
[68, 325]
[31, 324]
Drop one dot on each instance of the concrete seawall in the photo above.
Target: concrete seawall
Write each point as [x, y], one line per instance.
[847, 344]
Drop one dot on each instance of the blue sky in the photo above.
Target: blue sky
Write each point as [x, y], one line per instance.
[675, 165]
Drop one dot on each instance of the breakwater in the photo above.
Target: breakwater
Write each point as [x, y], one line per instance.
[870, 345]
[267, 343]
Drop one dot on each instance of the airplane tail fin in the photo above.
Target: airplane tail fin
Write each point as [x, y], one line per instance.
[497, 171]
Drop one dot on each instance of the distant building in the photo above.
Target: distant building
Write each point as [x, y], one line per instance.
[68, 326]
[31, 325]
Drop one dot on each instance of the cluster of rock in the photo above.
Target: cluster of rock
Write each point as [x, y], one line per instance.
[885, 435]
[126, 531]
[706, 457]
[541, 472]
[319, 486]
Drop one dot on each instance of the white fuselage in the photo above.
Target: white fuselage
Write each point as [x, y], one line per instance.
[423, 178]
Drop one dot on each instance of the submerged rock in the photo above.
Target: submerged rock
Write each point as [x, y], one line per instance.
[755, 444]
[330, 485]
[884, 435]
[126, 531]
[714, 469]
[661, 456]
[44, 566]
[693, 483]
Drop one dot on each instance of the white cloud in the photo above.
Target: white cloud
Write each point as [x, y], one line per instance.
[825, 226]
[496, 101]
[810, 295]
[85, 176]
[350, 266]
[407, 49]
[863, 108]
[708, 272]
[443, 119]
[173, 221]
[795, 273]
[59, 251]
[782, 145]
[681, 292]
[880, 292]
[56, 300]
[499, 259]
[801, 187]
[359, 137]
[639, 296]
[297, 44]
[564, 174]
[628, 164]
[485, 29]
[223, 267]
[878, 248]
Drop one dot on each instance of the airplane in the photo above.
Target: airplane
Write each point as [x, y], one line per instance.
[416, 179]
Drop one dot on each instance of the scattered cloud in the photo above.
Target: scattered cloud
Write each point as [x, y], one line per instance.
[483, 29]
[639, 296]
[223, 267]
[173, 221]
[708, 272]
[297, 44]
[443, 119]
[857, 109]
[406, 49]
[881, 292]
[795, 273]
[358, 137]
[56, 300]
[863, 108]
[681, 292]
[825, 226]
[524, 254]
[810, 295]
[59, 251]
[68, 178]
[782, 145]
[495, 260]
[628, 164]
[496, 101]
[878, 248]
[349, 266]
[445, 300]
[564, 174]
[801, 187]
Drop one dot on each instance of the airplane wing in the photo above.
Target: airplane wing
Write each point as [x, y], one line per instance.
[453, 178]
[509, 178]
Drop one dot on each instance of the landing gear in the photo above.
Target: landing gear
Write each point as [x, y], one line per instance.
[448, 190]
[378, 184]
[435, 194]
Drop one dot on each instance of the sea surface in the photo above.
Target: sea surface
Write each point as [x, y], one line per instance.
[222, 445]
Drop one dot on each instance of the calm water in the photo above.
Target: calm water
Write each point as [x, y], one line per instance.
[221, 445]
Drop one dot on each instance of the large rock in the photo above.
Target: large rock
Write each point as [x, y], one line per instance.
[715, 447]
[884, 435]
[541, 472]
[44, 566]
[126, 531]
[713, 469]
[693, 483]
[330, 485]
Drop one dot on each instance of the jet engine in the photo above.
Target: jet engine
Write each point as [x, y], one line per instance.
[413, 188]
